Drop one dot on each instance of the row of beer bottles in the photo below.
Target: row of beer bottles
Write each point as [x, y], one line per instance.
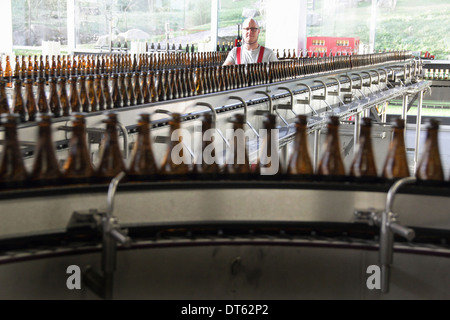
[64, 65]
[110, 64]
[78, 166]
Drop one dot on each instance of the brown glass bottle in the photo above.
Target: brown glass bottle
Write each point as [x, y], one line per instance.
[268, 163]
[92, 96]
[12, 168]
[146, 96]
[111, 162]
[106, 92]
[30, 104]
[42, 97]
[142, 164]
[8, 74]
[331, 163]
[99, 92]
[84, 97]
[63, 98]
[180, 166]
[123, 90]
[18, 102]
[116, 94]
[363, 164]
[78, 166]
[208, 166]
[54, 101]
[139, 99]
[238, 165]
[4, 105]
[130, 90]
[45, 167]
[300, 161]
[396, 163]
[75, 104]
[430, 165]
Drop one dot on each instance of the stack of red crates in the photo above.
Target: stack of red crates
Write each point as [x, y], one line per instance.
[337, 45]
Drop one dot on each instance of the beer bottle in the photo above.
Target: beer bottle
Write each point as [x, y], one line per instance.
[238, 164]
[130, 90]
[99, 92]
[123, 90]
[430, 166]
[54, 101]
[45, 167]
[111, 162]
[146, 97]
[63, 98]
[143, 164]
[75, 103]
[208, 168]
[12, 168]
[4, 105]
[331, 163]
[300, 161]
[78, 166]
[92, 95]
[84, 98]
[180, 166]
[268, 163]
[8, 74]
[363, 165]
[106, 92]
[396, 163]
[18, 103]
[139, 99]
[116, 94]
[42, 97]
[31, 105]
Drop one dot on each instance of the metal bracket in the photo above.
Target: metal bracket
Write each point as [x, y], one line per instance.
[389, 225]
[245, 113]
[270, 100]
[103, 285]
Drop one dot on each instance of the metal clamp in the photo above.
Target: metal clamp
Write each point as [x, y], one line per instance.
[205, 104]
[103, 285]
[270, 100]
[307, 101]
[338, 91]
[389, 225]
[245, 113]
[324, 97]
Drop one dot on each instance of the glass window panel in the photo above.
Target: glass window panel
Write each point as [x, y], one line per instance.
[232, 13]
[35, 21]
[176, 22]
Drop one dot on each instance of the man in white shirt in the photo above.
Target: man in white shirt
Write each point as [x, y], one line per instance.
[251, 51]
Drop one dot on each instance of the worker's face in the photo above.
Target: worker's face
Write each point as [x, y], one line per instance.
[250, 32]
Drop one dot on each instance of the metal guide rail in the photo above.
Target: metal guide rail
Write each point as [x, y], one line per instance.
[401, 216]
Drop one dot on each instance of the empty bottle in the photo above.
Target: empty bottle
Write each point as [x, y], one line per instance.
[331, 163]
[63, 98]
[54, 101]
[238, 165]
[84, 97]
[143, 165]
[45, 167]
[75, 104]
[430, 166]
[396, 163]
[30, 104]
[208, 165]
[42, 97]
[18, 102]
[4, 105]
[268, 164]
[78, 167]
[175, 161]
[363, 164]
[106, 92]
[111, 161]
[12, 168]
[92, 95]
[300, 161]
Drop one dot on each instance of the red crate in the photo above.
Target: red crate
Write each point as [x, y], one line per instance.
[342, 45]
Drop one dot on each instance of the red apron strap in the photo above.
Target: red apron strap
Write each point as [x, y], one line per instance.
[238, 55]
[261, 54]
